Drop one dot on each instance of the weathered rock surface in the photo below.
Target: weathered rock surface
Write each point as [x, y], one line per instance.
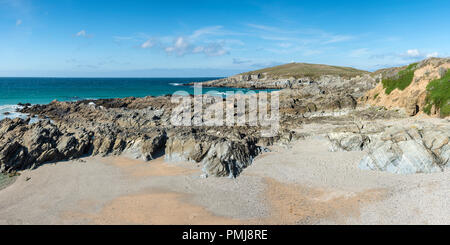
[142, 128]
[401, 147]
[137, 127]
[218, 156]
[410, 150]
[24, 145]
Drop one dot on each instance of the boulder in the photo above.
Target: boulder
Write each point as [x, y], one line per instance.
[26, 145]
[218, 156]
[409, 151]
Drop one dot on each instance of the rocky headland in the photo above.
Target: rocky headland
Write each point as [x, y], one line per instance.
[353, 107]
[293, 75]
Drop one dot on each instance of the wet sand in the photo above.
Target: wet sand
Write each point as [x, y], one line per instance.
[305, 184]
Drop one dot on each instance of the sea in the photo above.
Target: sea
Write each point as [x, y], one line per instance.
[44, 90]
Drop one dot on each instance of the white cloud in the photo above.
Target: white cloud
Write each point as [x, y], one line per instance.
[18, 22]
[264, 28]
[413, 53]
[183, 46]
[212, 49]
[200, 41]
[180, 47]
[148, 44]
[211, 30]
[83, 33]
[403, 58]
[417, 54]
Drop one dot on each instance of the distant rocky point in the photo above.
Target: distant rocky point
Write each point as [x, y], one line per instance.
[293, 75]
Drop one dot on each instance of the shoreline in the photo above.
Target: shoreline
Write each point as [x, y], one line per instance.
[333, 160]
[309, 186]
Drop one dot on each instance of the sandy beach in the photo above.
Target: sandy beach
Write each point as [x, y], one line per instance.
[302, 184]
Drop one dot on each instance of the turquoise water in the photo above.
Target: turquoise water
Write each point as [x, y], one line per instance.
[44, 90]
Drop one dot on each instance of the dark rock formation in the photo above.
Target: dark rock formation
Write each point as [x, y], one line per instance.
[137, 127]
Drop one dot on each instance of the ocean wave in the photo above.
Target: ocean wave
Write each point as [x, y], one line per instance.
[176, 84]
[11, 112]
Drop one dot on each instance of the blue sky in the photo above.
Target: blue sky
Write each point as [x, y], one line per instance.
[214, 38]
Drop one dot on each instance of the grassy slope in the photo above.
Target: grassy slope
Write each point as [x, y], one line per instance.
[439, 95]
[402, 81]
[299, 70]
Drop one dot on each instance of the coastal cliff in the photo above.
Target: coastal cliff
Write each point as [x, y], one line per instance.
[422, 87]
[341, 105]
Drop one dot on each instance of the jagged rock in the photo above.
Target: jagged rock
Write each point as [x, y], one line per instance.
[25, 145]
[229, 158]
[153, 144]
[409, 151]
[219, 156]
[348, 141]
[136, 127]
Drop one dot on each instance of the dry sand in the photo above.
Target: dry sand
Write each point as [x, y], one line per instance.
[305, 184]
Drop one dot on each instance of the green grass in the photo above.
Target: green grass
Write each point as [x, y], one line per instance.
[375, 96]
[313, 71]
[438, 94]
[402, 81]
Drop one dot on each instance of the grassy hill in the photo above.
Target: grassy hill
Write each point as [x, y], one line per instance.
[299, 70]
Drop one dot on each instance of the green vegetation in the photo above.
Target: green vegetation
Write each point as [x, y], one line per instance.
[375, 96]
[313, 71]
[402, 81]
[439, 95]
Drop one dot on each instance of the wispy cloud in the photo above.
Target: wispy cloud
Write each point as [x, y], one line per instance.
[212, 49]
[417, 54]
[18, 22]
[413, 53]
[338, 38]
[149, 44]
[83, 33]
[238, 61]
[264, 28]
[356, 53]
[198, 42]
[302, 35]
[402, 58]
[180, 47]
[211, 30]
[183, 46]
